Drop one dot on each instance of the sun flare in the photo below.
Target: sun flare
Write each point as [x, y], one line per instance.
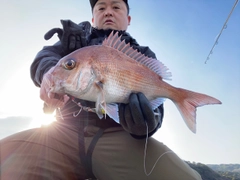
[42, 120]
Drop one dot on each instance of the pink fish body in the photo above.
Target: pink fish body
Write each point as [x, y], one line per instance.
[107, 74]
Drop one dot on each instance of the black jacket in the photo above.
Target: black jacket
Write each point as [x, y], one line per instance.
[50, 55]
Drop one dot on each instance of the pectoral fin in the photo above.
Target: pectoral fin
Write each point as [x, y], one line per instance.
[112, 111]
[105, 109]
[100, 103]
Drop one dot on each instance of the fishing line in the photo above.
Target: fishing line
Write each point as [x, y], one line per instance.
[224, 27]
[145, 154]
[146, 141]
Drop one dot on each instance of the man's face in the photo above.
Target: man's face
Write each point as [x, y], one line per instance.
[110, 14]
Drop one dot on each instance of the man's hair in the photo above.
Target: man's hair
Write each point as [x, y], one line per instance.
[93, 2]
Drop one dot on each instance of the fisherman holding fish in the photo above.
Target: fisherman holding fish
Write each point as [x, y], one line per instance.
[104, 115]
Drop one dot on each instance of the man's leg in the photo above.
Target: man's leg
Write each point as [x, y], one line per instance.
[117, 155]
[49, 152]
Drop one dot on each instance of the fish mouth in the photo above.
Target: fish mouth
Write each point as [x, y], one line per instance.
[56, 91]
[57, 96]
[54, 88]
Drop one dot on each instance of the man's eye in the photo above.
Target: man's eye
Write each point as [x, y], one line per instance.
[101, 9]
[116, 7]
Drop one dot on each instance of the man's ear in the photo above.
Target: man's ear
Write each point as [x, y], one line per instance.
[129, 20]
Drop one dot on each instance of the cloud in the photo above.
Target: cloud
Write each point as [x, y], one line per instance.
[13, 124]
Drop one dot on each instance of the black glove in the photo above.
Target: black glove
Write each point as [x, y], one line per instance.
[134, 116]
[72, 36]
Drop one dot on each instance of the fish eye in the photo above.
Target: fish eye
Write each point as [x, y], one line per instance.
[69, 64]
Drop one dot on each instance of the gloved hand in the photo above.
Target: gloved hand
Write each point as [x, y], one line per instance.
[72, 36]
[134, 116]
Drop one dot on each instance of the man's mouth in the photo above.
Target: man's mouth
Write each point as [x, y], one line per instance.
[108, 21]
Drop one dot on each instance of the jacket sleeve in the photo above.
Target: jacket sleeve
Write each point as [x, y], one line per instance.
[44, 60]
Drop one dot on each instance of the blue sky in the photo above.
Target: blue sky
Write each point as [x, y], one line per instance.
[180, 32]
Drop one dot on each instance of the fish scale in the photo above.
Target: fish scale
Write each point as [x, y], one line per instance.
[107, 74]
[136, 82]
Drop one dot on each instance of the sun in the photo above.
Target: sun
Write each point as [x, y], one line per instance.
[48, 119]
[42, 120]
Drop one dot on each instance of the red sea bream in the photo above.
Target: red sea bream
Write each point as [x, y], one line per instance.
[108, 73]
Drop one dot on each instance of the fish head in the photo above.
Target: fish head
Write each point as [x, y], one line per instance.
[73, 75]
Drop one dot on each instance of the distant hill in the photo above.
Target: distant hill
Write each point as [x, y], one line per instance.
[217, 172]
[225, 167]
[227, 170]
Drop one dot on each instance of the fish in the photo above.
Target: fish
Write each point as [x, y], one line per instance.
[108, 73]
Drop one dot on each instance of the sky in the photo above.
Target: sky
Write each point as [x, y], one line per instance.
[180, 32]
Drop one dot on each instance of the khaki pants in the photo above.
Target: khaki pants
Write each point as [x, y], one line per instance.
[52, 152]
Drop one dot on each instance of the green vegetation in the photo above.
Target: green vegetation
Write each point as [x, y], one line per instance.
[225, 167]
[231, 171]
[217, 172]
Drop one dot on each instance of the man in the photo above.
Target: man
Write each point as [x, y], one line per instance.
[79, 145]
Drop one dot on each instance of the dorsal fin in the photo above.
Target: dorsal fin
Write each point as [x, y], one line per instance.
[114, 41]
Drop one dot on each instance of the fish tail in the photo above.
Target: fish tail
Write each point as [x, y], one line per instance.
[188, 101]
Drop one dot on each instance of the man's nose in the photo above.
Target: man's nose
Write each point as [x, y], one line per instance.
[108, 12]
